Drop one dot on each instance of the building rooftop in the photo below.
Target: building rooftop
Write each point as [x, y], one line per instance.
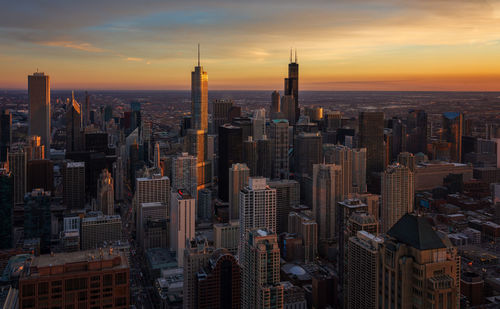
[61, 259]
[75, 164]
[416, 232]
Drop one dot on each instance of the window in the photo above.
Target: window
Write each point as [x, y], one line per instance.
[43, 288]
[121, 278]
[28, 290]
[108, 280]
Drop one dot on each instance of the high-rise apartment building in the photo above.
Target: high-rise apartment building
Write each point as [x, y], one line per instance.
[97, 230]
[327, 192]
[5, 133]
[155, 188]
[238, 179]
[37, 218]
[287, 197]
[83, 279]
[257, 208]
[308, 148]
[342, 156]
[18, 168]
[74, 185]
[182, 222]
[199, 97]
[371, 137]
[261, 286]
[279, 136]
[219, 282]
[453, 126]
[105, 193]
[227, 235]
[418, 268]
[363, 271]
[398, 193]
[39, 107]
[184, 175]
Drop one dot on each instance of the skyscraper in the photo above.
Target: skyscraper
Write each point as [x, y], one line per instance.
[259, 123]
[250, 155]
[306, 228]
[6, 209]
[184, 175]
[155, 188]
[261, 286]
[342, 156]
[34, 150]
[359, 170]
[416, 126]
[39, 107]
[199, 97]
[398, 190]
[292, 84]
[219, 282]
[264, 158]
[275, 104]
[74, 185]
[363, 271]
[279, 136]
[288, 109]
[98, 229]
[371, 137]
[18, 167]
[230, 152]
[238, 179]
[257, 208]
[5, 133]
[452, 133]
[106, 193]
[182, 222]
[308, 151]
[149, 212]
[407, 159]
[220, 113]
[327, 192]
[287, 197]
[418, 268]
[196, 256]
[37, 218]
[74, 138]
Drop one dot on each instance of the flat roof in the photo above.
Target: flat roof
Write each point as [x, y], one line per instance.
[57, 259]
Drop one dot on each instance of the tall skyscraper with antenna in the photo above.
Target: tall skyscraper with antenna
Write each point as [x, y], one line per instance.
[199, 97]
[292, 83]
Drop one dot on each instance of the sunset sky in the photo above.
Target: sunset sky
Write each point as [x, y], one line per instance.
[341, 44]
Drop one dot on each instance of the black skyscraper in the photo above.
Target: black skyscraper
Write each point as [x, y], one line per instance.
[5, 134]
[292, 83]
[230, 152]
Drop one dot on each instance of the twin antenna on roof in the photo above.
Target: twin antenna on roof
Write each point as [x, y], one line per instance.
[291, 56]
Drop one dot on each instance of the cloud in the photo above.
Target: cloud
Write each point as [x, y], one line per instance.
[73, 45]
[134, 59]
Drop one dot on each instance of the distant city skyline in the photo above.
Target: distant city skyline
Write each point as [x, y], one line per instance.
[387, 45]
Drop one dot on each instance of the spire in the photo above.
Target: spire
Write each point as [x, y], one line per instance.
[198, 54]
[72, 96]
[290, 55]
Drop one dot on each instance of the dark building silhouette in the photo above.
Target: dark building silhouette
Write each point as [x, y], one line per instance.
[74, 138]
[6, 208]
[308, 150]
[220, 113]
[219, 282]
[40, 174]
[452, 133]
[292, 84]
[371, 137]
[250, 155]
[37, 218]
[5, 134]
[264, 158]
[230, 152]
[416, 130]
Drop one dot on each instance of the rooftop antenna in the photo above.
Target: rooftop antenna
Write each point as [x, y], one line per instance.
[290, 55]
[198, 54]
[72, 96]
[296, 55]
